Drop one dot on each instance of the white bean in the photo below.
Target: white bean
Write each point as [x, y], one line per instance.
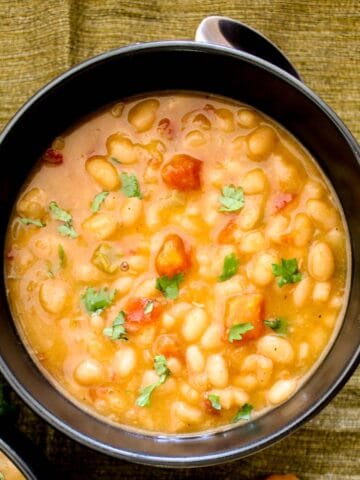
[54, 295]
[254, 182]
[32, 203]
[124, 361]
[89, 372]
[259, 364]
[103, 172]
[322, 214]
[260, 270]
[217, 371]
[302, 291]
[195, 360]
[321, 263]
[277, 348]
[101, 225]
[281, 391]
[143, 114]
[321, 292]
[131, 211]
[187, 413]
[195, 322]
[211, 338]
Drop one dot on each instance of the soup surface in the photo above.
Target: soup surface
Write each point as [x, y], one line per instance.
[177, 263]
[8, 471]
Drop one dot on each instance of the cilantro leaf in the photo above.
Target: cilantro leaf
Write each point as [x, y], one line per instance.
[287, 271]
[67, 230]
[31, 221]
[62, 256]
[163, 372]
[169, 286]
[161, 367]
[215, 401]
[149, 307]
[130, 185]
[236, 331]
[2, 476]
[279, 325]
[232, 199]
[230, 267]
[117, 330]
[58, 213]
[95, 301]
[98, 200]
[63, 216]
[144, 398]
[244, 413]
[115, 160]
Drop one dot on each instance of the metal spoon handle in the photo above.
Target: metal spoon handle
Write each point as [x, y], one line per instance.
[231, 33]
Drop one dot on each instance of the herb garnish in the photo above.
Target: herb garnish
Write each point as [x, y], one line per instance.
[287, 271]
[230, 267]
[236, 331]
[169, 286]
[62, 256]
[279, 325]
[163, 372]
[98, 200]
[232, 199]
[95, 301]
[117, 330]
[244, 413]
[63, 216]
[214, 400]
[130, 185]
[149, 307]
[31, 221]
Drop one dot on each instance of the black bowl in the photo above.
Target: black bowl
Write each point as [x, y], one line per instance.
[23, 454]
[186, 66]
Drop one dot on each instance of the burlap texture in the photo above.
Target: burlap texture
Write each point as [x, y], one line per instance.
[40, 39]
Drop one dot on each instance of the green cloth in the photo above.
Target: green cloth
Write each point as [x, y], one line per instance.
[41, 39]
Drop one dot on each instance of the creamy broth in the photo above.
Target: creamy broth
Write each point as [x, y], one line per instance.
[177, 263]
[8, 471]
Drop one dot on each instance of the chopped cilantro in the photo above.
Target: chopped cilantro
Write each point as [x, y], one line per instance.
[117, 330]
[2, 477]
[230, 267]
[287, 271]
[130, 185]
[149, 307]
[95, 301]
[236, 331]
[31, 221]
[115, 160]
[63, 216]
[62, 256]
[215, 401]
[67, 230]
[279, 325]
[232, 199]
[163, 372]
[244, 413]
[59, 214]
[169, 286]
[98, 200]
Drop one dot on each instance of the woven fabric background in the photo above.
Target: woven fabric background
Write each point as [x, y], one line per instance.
[39, 39]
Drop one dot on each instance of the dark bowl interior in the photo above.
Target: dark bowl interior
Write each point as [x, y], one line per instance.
[182, 66]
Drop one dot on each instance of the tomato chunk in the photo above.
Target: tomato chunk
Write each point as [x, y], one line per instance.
[172, 257]
[167, 345]
[282, 200]
[231, 233]
[248, 308]
[182, 172]
[52, 156]
[136, 315]
[288, 476]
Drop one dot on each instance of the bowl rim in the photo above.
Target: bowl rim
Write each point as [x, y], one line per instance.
[288, 427]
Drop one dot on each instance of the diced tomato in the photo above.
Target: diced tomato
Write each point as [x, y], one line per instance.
[182, 172]
[52, 156]
[282, 200]
[247, 308]
[135, 313]
[172, 257]
[166, 128]
[231, 233]
[167, 345]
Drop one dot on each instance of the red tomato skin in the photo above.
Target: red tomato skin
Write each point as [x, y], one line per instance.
[182, 173]
[52, 156]
[282, 200]
[135, 316]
